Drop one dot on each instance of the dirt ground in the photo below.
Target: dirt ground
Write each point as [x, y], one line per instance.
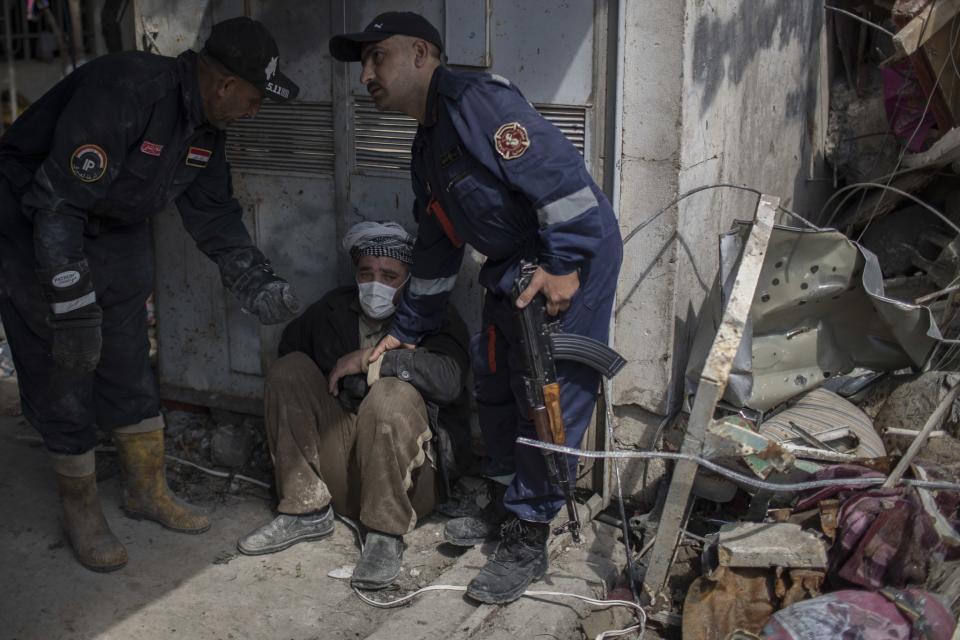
[175, 585]
[199, 587]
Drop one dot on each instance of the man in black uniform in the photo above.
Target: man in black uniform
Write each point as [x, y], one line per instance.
[81, 172]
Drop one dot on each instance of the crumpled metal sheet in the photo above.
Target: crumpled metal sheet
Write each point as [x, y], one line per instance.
[819, 311]
[889, 614]
[732, 439]
[830, 419]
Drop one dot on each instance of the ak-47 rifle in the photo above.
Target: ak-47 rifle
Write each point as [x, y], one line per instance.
[543, 344]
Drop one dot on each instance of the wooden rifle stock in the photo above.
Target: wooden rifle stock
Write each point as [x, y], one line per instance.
[543, 395]
[551, 399]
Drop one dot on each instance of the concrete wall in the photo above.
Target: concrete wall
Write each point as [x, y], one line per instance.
[714, 91]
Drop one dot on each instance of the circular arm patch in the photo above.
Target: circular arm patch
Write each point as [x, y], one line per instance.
[88, 162]
[511, 140]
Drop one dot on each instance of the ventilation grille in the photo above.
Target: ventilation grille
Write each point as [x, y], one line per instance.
[572, 121]
[383, 139]
[293, 139]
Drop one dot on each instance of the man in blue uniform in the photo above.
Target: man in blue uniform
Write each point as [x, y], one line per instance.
[489, 171]
[81, 172]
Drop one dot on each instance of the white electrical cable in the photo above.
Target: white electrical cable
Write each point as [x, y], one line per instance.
[858, 18]
[739, 477]
[209, 472]
[218, 474]
[531, 593]
[641, 615]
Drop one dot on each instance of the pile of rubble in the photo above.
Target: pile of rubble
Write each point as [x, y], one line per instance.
[810, 414]
[814, 493]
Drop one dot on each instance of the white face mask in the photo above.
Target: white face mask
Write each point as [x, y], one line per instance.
[376, 299]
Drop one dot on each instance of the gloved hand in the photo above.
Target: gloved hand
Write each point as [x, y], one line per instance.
[75, 316]
[275, 303]
[76, 338]
[247, 274]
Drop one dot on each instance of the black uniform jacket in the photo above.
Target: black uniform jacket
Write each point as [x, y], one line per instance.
[437, 368]
[114, 143]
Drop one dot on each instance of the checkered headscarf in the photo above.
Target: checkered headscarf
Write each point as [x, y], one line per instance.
[379, 239]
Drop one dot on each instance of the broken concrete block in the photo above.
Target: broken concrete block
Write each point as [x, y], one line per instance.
[231, 445]
[766, 544]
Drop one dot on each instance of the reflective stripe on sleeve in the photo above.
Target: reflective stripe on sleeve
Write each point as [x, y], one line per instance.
[70, 305]
[567, 207]
[423, 287]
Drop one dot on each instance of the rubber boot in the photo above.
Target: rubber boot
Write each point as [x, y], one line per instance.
[93, 543]
[145, 493]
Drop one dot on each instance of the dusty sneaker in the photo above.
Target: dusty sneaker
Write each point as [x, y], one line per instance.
[379, 563]
[473, 530]
[521, 558]
[285, 531]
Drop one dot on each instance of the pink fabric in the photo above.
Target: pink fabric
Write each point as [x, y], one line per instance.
[884, 536]
[904, 102]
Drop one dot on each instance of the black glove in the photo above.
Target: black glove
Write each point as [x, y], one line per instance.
[247, 274]
[75, 316]
[76, 338]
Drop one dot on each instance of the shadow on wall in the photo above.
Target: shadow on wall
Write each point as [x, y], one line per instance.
[723, 49]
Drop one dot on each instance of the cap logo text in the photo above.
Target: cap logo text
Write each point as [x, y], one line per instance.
[277, 90]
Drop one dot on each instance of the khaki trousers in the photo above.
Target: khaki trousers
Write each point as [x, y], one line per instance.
[370, 466]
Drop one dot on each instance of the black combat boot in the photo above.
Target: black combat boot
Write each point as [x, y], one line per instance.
[472, 530]
[521, 558]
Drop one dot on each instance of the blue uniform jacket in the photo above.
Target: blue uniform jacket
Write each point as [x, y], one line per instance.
[490, 171]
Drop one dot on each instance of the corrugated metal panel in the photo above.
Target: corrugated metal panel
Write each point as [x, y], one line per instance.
[383, 139]
[293, 139]
[571, 120]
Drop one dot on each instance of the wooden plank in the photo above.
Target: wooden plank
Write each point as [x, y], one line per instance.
[934, 421]
[916, 32]
[929, 82]
[713, 382]
[942, 64]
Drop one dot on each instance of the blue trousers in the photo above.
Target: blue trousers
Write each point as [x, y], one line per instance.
[498, 367]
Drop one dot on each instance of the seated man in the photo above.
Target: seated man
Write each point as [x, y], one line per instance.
[354, 436]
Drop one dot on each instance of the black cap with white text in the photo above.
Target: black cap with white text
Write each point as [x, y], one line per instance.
[246, 48]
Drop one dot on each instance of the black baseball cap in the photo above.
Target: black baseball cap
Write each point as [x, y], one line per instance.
[346, 47]
[246, 48]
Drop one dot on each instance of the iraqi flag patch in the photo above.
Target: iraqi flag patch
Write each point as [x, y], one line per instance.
[197, 157]
[511, 140]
